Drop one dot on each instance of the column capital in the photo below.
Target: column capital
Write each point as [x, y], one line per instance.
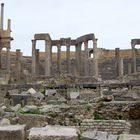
[33, 42]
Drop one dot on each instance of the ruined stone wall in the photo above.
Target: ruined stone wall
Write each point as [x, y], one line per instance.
[112, 126]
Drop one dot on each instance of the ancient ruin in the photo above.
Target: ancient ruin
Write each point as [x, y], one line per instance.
[88, 94]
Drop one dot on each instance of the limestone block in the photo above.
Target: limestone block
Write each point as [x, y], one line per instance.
[129, 137]
[31, 91]
[97, 135]
[12, 132]
[53, 133]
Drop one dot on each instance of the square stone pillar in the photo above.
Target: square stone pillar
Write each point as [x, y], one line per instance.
[59, 58]
[18, 64]
[33, 57]
[68, 59]
[86, 67]
[95, 59]
[47, 58]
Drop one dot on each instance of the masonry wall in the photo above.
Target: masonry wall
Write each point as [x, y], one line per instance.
[111, 126]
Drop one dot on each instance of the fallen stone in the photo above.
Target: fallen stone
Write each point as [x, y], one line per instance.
[12, 132]
[50, 92]
[5, 122]
[129, 137]
[30, 109]
[31, 91]
[16, 108]
[97, 135]
[53, 133]
[74, 95]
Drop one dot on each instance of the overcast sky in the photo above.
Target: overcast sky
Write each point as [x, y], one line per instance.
[114, 22]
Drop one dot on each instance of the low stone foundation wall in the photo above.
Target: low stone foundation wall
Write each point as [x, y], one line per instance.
[111, 126]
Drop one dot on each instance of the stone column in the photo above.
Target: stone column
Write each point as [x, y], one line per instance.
[121, 70]
[129, 68]
[134, 58]
[86, 68]
[8, 60]
[33, 57]
[51, 59]
[0, 58]
[95, 58]
[2, 16]
[59, 58]
[47, 58]
[37, 61]
[78, 59]
[18, 64]
[68, 59]
[117, 57]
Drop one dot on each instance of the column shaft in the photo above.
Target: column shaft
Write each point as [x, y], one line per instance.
[121, 70]
[47, 58]
[59, 59]
[37, 61]
[117, 57]
[33, 57]
[134, 59]
[78, 59]
[68, 59]
[95, 58]
[86, 68]
[18, 64]
[8, 59]
[129, 68]
[0, 58]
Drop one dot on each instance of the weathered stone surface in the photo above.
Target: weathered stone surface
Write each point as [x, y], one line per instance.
[129, 137]
[30, 109]
[4, 122]
[32, 120]
[97, 135]
[53, 133]
[74, 95]
[12, 132]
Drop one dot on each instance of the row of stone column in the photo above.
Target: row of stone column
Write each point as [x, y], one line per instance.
[35, 59]
[48, 58]
[120, 64]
